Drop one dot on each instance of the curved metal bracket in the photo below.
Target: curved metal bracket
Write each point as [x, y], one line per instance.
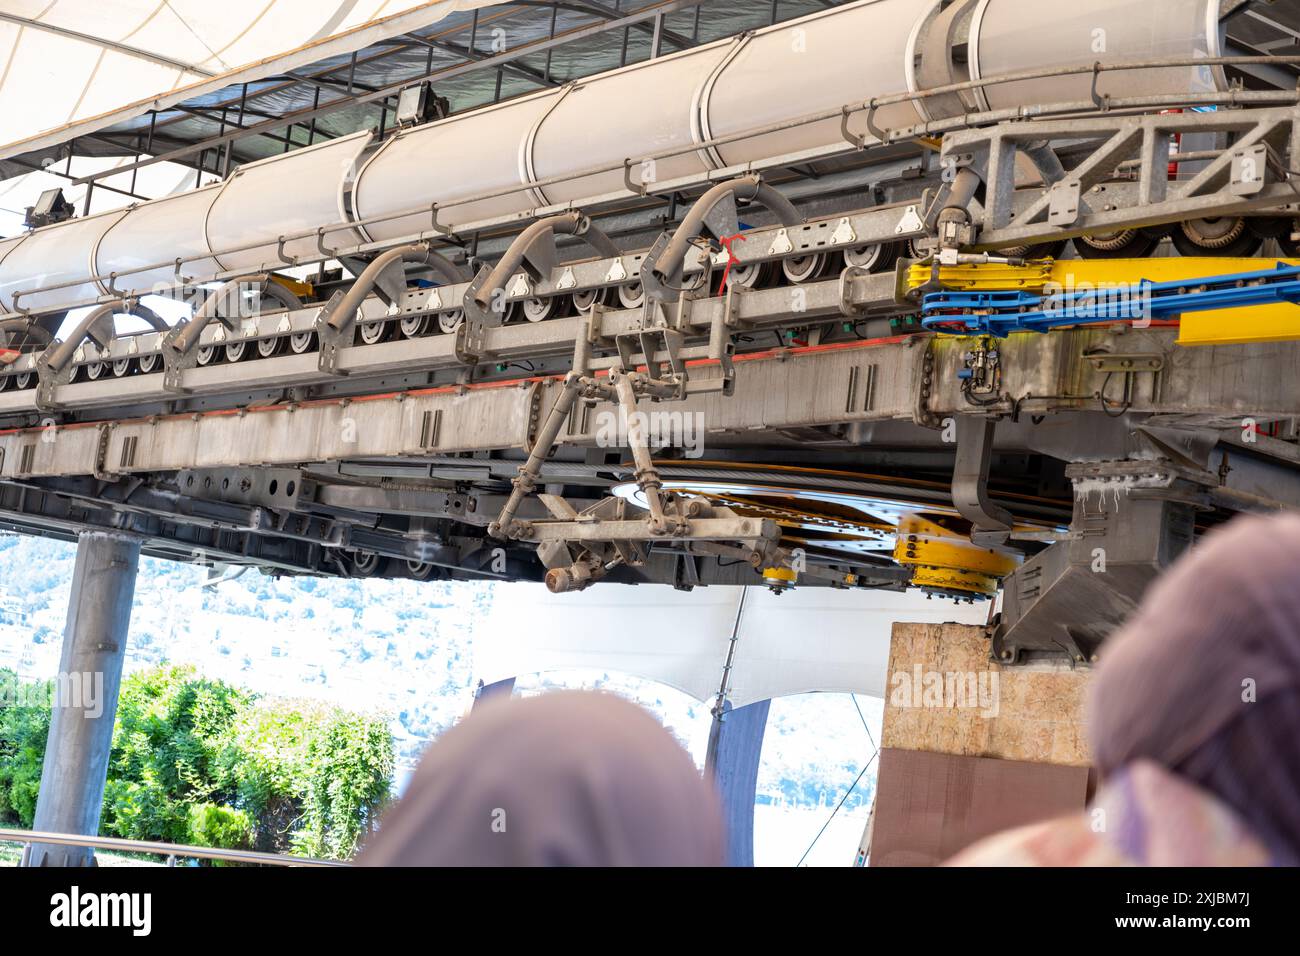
[178, 345]
[535, 251]
[336, 320]
[53, 366]
[661, 273]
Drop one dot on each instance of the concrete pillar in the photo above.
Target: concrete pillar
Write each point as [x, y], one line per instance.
[735, 746]
[85, 698]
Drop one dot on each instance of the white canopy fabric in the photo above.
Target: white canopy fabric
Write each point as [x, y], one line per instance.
[802, 641]
[68, 67]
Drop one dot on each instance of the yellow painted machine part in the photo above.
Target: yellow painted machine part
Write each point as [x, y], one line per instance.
[299, 288]
[949, 579]
[940, 558]
[1278, 322]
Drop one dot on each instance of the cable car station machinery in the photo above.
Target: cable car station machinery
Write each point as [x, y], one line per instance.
[850, 328]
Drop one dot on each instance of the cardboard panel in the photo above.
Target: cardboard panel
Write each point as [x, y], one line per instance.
[929, 806]
[942, 693]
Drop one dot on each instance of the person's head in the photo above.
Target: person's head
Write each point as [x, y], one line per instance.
[1204, 679]
[564, 779]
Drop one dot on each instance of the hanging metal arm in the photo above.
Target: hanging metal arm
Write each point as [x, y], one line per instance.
[647, 476]
[991, 524]
[525, 483]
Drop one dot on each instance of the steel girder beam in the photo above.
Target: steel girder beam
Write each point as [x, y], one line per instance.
[36, 510]
[1216, 387]
[33, 510]
[207, 530]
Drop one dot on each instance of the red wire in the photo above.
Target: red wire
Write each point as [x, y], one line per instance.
[731, 258]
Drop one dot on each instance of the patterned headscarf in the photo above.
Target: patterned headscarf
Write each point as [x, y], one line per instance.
[563, 779]
[1204, 679]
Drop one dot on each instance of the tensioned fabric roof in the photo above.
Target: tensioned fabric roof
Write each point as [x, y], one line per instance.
[70, 61]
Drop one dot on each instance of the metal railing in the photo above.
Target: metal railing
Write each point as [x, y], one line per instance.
[172, 851]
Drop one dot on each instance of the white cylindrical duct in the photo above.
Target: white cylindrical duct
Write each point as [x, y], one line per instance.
[1009, 36]
[775, 75]
[811, 65]
[7, 246]
[656, 106]
[291, 193]
[58, 254]
[455, 158]
[154, 232]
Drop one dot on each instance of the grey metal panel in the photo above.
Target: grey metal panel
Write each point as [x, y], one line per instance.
[780, 390]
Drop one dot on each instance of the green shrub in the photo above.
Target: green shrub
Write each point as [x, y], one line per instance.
[220, 826]
[24, 726]
[199, 761]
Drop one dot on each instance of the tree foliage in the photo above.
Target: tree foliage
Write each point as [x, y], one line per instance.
[201, 762]
[23, 730]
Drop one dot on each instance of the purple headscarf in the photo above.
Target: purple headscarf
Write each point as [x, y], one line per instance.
[1204, 679]
[564, 779]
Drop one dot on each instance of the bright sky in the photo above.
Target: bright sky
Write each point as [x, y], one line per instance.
[160, 179]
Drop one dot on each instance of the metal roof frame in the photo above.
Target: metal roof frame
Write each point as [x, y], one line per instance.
[216, 125]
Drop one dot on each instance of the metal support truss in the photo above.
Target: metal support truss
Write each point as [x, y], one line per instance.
[1256, 172]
